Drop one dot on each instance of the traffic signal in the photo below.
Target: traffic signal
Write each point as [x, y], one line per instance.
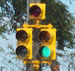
[24, 43]
[37, 11]
[47, 39]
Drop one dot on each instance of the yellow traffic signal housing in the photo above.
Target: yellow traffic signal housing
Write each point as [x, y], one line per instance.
[24, 44]
[47, 39]
[37, 11]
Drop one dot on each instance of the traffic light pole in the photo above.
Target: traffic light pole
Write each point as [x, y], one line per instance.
[29, 65]
[27, 11]
[34, 1]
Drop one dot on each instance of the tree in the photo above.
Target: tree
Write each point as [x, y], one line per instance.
[19, 8]
[59, 16]
[56, 14]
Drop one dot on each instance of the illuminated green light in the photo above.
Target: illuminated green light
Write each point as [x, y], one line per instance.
[46, 52]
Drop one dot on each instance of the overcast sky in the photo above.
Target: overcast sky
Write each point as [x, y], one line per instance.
[71, 5]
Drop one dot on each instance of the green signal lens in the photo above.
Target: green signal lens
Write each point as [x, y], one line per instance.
[45, 52]
[21, 51]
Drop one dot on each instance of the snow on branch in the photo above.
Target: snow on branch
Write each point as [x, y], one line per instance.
[65, 52]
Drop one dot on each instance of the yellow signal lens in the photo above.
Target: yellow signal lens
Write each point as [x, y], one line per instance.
[44, 36]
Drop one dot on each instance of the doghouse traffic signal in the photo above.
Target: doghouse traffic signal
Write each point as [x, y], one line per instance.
[24, 43]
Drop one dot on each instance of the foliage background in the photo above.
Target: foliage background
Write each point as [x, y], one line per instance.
[56, 14]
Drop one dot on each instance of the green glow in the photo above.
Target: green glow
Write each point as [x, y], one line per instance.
[46, 52]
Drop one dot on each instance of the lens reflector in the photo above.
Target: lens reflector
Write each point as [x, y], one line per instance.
[21, 51]
[21, 35]
[44, 36]
[35, 11]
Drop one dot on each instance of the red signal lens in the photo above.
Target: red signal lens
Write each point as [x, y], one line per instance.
[35, 11]
[44, 36]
